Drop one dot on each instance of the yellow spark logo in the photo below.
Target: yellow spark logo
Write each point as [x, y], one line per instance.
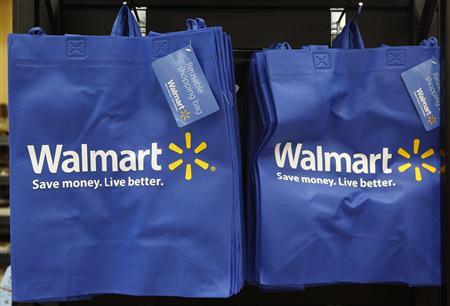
[431, 119]
[416, 147]
[188, 169]
[185, 115]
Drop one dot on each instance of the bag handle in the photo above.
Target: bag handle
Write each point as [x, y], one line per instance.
[350, 37]
[281, 45]
[194, 24]
[125, 23]
[430, 42]
[36, 31]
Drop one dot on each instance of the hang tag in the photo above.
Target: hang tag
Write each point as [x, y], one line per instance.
[185, 86]
[423, 84]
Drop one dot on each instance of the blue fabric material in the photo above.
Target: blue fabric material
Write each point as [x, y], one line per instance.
[226, 69]
[36, 31]
[181, 237]
[349, 38]
[125, 23]
[325, 109]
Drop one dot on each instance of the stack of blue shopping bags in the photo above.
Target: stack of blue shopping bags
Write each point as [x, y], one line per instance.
[343, 173]
[108, 194]
[126, 173]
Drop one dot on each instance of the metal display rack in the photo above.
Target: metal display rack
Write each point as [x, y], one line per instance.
[420, 19]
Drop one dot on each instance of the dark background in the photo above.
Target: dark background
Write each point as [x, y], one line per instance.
[255, 24]
[252, 23]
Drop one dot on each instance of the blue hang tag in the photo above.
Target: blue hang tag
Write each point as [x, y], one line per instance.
[423, 84]
[185, 86]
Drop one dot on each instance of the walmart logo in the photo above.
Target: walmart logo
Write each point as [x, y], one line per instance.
[431, 119]
[417, 170]
[197, 150]
[297, 156]
[105, 160]
[185, 115]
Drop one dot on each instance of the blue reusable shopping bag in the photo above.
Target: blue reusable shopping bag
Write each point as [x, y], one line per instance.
[349, 178]
[228, 94]
[108, 195]
[261, 122]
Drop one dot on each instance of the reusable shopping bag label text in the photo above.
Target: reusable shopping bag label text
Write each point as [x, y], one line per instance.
[422, 82]
[185, 86]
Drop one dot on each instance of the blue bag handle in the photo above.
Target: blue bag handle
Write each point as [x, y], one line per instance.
[430, 42]
[194, 24]
[281, 45]
[36, 31]
[125, 23]
[349, 38]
